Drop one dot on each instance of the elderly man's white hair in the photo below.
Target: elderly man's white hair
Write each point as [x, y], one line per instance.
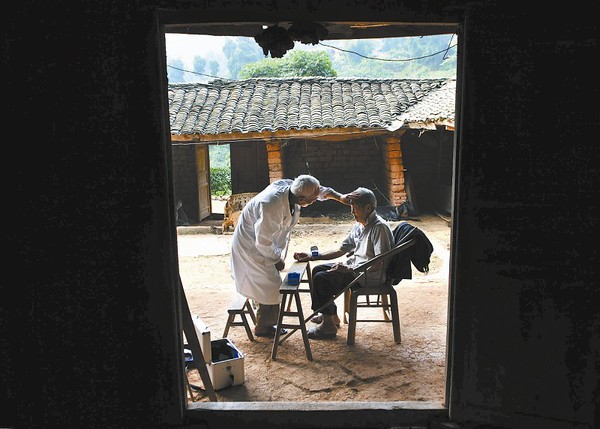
[305, 185]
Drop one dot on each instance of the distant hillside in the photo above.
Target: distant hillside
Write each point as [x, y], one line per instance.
[400, 57]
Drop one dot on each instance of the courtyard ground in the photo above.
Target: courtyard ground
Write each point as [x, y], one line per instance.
[374, 369]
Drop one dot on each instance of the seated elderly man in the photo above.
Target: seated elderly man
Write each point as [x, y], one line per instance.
[370, 237]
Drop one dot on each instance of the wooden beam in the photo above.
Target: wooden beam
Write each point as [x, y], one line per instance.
[433, 125]
[330, 134]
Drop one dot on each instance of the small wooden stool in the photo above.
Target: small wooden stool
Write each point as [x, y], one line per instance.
[240, 306]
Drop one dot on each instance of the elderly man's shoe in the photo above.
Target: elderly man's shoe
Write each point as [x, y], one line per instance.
[318, 319]
[318, 334]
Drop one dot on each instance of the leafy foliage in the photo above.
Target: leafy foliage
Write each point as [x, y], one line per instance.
[294, 64]
[199, 64]
[175, 72]
[240, 51]
[220, 170]
[220, 181]
[399, 57]
[213, 67]
[219, 155]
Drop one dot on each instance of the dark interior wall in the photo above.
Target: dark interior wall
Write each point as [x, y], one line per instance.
[89, 333]
[185, 179]
[249, 166]
[343, 165]
[90, 324]
[525, 331]
[428, 163]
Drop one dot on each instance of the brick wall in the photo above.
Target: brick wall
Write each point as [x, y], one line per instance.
[377, 163]
[343, 165]
[393, 166]
[275, 161]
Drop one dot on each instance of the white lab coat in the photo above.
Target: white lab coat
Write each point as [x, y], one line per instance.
[260, 239]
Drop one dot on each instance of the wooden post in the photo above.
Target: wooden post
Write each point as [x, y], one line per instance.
[275, 160]
[394, 168]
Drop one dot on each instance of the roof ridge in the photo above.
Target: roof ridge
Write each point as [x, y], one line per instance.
[221, 82]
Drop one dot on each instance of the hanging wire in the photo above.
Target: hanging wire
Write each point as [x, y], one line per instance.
[389, 59]
[200, 74]
[306, 151]
[448, 47]
[376, 188]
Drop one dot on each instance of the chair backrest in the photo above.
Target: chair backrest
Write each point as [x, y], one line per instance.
[385, 258]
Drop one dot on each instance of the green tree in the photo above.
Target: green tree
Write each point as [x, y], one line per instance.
[175, 71]
[294, 64]
[240, 51]
[213, 67]
[220, 169]
[199, 64]
[220, 181]
[364, 45]
[406, 57]
[219, 155]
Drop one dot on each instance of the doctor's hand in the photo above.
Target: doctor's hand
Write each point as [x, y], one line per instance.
[349, 197]
[280, 265]
[302, 257]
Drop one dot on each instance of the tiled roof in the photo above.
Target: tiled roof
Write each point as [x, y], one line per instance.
[272, 104]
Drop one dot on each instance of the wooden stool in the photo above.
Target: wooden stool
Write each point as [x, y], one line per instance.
[288, 293]
[307, 280]
[240, 306]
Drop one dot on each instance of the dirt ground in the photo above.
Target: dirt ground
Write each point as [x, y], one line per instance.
[374, 369]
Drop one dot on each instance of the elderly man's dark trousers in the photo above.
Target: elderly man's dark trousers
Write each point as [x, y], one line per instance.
[325, 285]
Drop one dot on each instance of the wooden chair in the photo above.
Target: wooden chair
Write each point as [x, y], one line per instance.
[384, 301]
[382, 295]
[384, 291]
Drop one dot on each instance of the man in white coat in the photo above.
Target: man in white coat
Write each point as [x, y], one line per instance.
[261, 238]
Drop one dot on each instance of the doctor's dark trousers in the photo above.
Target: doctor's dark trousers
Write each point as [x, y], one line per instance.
[326, 285]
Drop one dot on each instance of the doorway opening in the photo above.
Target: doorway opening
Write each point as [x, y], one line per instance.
[355, 373]
[220, 178]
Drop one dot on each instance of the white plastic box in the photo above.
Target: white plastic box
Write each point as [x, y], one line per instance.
[225, 363]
